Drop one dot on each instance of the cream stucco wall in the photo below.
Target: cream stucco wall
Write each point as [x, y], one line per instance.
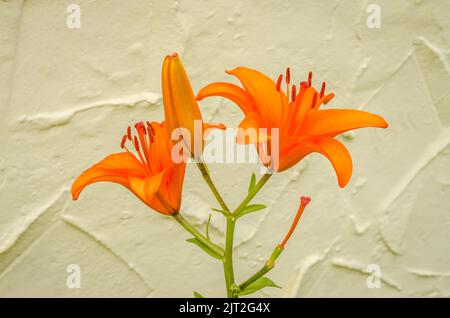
[66, 96]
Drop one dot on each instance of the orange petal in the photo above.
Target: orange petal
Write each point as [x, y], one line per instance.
[114, 168]
[339, 157]
[331, 122]
[170, 190]
[146, 187]
[250, 131]
[331, 148]
[160, 149]
[233, 92]
[302, 106]
[269, 102]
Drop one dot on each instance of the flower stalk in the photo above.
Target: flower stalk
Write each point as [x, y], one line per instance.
[199, 236]
[205, 174]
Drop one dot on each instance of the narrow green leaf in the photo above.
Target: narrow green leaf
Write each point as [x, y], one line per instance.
[252, 182]
[204, 247]
[207, 226]
[258, 284]
[252, 208]
[198, 295]
[221, 211]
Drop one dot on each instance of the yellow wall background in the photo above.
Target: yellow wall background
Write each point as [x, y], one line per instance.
[67, 95]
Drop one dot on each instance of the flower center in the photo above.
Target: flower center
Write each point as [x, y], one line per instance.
[294, 94]
[141, 141]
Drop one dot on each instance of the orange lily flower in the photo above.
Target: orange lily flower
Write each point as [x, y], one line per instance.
[180, 106]
[146, 169]
[302, 127]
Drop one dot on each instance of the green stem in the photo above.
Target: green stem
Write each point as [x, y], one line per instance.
[199, 236]
[266, 268]
[204, 170]
[251, 194]
[231, 223]
[228, 257]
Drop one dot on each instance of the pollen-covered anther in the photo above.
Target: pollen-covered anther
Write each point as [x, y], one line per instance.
[150, 128]
[280, 79]
[322, 89]
[310, 79]
[294, 92]
[129, 133]
[288, 75]
[124, 140]
[136, 143]
[140, 127]
[314, 101]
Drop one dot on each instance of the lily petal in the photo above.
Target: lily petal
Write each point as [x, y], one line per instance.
[332, 122]
[331, 148]
[146, 187]
[250, 131]
[339, 157]
[269, 102]
[114, 168]
[302, 106]
[233, 92]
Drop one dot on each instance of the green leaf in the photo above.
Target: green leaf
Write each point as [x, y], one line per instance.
[258, 284]
[252, 208]
[204, 247]
[198, 295]
[207, 226]
[252, 182]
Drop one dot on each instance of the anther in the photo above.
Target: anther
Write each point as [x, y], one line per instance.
[140, 126]
[280, 78]
[149, 126]
[136, 144]
[310, 79]
[322, 90]
[288, 75]
[129, 133]
[294, 92]
[314, 100]
[122, 143]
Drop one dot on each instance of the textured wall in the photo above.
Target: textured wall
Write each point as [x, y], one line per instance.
[66, 96]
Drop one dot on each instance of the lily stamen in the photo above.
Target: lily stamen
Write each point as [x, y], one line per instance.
[288, 80]
[322, 89]
[314, 101]
[310, 79]
[140, 143]
[122, 143]
[280, 79]
[294, 93]
[129, 133]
